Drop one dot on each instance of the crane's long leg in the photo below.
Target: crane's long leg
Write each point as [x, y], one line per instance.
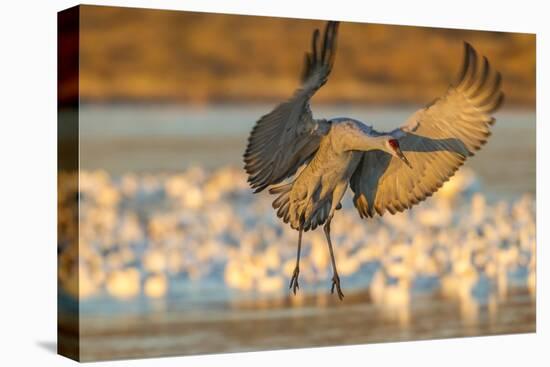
[294, 280]
[335, 277]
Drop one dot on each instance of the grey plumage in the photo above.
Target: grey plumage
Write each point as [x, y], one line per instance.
[387, 171]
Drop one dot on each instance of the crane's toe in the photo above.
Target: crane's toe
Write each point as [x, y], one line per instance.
[336, 284]
[294, 280]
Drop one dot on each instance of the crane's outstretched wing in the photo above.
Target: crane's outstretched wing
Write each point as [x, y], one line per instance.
[436, 140]
[287, 137]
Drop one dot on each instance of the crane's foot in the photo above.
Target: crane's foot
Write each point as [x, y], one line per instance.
[336, 284]
[294, 280]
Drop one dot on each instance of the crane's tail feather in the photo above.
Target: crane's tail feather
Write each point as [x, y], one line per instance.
[302, 214]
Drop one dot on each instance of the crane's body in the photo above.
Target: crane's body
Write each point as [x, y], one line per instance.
[316, 192]
[309, 163]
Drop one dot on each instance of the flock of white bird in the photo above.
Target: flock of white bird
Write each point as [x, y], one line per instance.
[157, 235]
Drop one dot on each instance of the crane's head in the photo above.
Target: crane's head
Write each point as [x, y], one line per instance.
[394, 149]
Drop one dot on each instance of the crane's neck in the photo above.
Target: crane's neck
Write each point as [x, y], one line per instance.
[365, 143]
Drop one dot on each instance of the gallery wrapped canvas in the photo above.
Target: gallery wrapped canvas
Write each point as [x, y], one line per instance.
[238, 183]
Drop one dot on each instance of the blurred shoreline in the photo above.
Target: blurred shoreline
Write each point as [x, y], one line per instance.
[330, 105]
[138, 55]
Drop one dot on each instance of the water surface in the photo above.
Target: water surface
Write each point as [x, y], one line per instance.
[123, 138]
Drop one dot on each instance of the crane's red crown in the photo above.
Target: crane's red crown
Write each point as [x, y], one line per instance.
[394, 143]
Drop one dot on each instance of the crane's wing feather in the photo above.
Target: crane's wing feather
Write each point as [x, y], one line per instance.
[287, 137]
[436, 140]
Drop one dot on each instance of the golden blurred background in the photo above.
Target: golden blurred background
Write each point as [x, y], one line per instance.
[141, 55]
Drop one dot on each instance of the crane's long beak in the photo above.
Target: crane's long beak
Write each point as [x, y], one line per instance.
[402, 157]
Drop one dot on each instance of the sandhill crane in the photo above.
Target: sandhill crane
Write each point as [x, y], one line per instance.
[309, 162]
